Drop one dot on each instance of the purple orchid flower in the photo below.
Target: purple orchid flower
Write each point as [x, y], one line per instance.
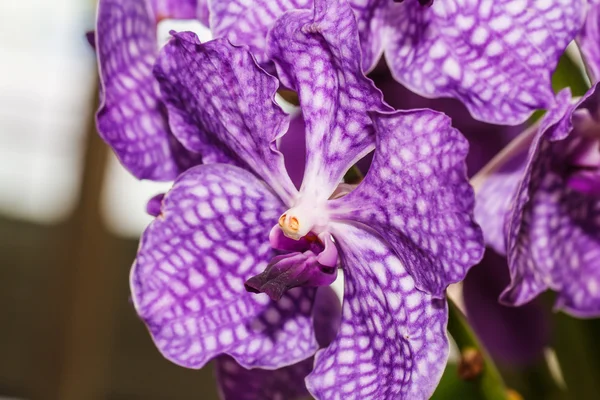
[549, 229]
[497, 57]
[238, 222]
[131, 117]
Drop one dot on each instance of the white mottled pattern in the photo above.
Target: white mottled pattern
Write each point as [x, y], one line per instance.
[589, 41]
[247, 22]
[553, 233]
[416, 196]
[188, 278]
[221, 105]
[318, 54]
[371, 22]
[392, 343]
[496, 56]
[131, 118]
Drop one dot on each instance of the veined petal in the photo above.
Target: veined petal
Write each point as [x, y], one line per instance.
[553, 231]
[177, 9]
[485, 140]
[131, 117]
[238, 383]
[221, 105]
[589, 41]
[247, 22]
[286, 383]
[317, 53]
[416, 196]
[392, 343]
[494, 195]
[188, 278]
[497, 57]
[371, 19]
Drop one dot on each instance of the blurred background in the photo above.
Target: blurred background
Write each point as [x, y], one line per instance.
[70, 217]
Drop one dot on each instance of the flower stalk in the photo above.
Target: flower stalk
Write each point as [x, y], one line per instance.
[488, 383]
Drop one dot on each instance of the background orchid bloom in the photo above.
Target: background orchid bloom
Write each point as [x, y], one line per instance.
[496, 57]
[131, 117]
[541, 206]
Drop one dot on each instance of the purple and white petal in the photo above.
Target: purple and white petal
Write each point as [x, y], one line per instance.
[392, 342]
[238, 383]
[176, 9]
[496, 185]
[493, 203]
[553, 233]
[416, 196]
[497, 57]
[203, 12]
[221, 105]
[371, 19]
[247, 22]
[188, 278]
[589, 41]
[131, 118]
[317, 54]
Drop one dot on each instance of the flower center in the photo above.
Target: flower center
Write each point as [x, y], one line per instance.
[427, 3]
[303, 218]
[312, 260]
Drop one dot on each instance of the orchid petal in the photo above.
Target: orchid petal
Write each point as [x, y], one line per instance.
[244, 22]
[493, 199]
[176, 9]
[589, 41]
[485, 140]
[553, 230]
[131, 118]
[188, 278]
[238, 383]
[417, 197]
[317, 53]
[371, 19]
[221, 105]
[392, 342]
[497, 57]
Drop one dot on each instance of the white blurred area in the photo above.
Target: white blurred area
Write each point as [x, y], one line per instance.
[47, 76]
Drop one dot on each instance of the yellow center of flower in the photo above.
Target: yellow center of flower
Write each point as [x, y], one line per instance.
[303, 218]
